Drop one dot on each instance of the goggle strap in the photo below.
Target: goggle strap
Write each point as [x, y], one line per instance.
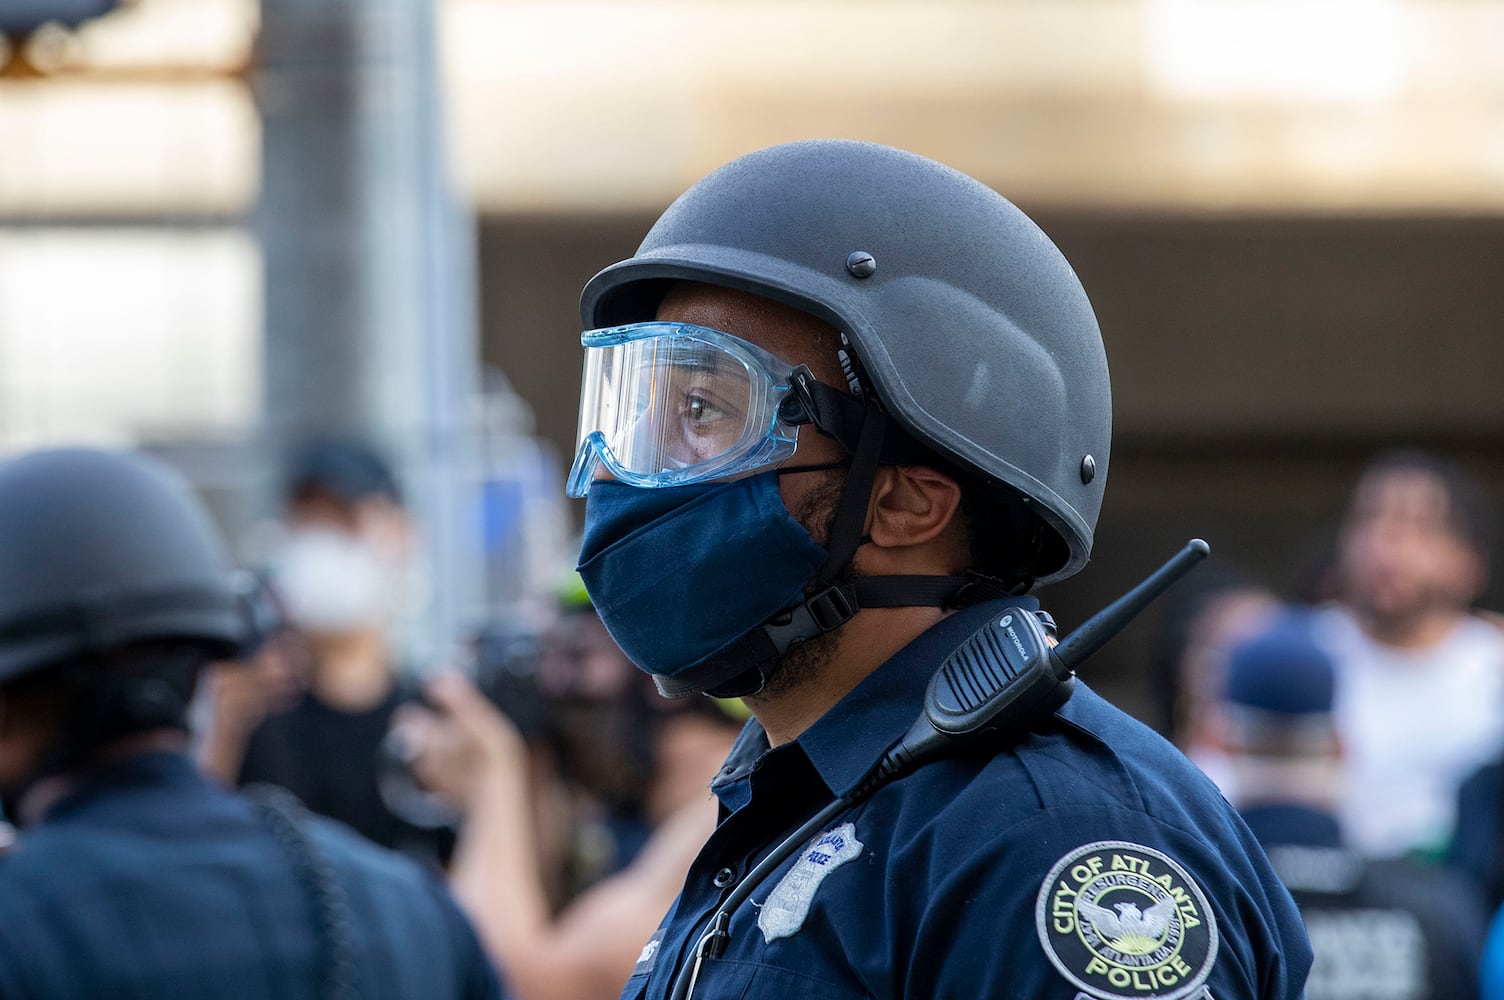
[836, 413]
[841, 416]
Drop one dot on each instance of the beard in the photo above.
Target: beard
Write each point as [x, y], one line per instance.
[808, 660]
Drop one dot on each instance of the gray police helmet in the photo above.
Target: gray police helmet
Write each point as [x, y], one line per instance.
[101, 549]
[971, 325]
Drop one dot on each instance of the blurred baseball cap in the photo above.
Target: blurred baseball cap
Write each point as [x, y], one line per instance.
[1281, 671]
[347, 469]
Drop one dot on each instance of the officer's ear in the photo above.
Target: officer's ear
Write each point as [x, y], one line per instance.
[31, 711]
[915, 505]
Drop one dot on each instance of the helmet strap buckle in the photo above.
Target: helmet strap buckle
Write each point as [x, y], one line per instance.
[824, 612]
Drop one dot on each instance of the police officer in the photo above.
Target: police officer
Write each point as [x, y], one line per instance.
[1391, 928]
[844, 407]
[134, 876]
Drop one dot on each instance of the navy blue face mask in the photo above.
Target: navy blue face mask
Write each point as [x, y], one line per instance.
[678, 574]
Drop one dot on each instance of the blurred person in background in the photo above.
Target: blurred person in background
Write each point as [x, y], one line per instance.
[1390, 928]
[312, 713]
[1478, 845]
[1203, 619]
[599, 738]
[1421, 678]
[135, 875]
[629, 758]
[1493, 958]
[638, 773]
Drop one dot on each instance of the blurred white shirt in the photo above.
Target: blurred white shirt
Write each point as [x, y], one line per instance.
[1414, 724]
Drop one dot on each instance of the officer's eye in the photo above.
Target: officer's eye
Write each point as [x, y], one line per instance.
[700, 410]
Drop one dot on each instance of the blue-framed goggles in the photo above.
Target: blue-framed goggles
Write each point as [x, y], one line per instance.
[666, 404]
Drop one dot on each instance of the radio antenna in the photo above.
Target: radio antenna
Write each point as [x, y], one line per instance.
[1094, 633]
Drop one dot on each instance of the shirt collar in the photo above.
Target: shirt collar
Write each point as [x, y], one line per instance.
[152, 768]
[850, 738]
[751, 743]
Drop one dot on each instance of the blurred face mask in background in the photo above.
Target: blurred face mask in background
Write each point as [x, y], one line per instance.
[332, 582]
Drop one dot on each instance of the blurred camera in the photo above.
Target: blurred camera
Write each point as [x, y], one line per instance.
[505, 669]
[502, 660]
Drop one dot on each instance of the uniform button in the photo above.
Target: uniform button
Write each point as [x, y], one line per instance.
[724, 877]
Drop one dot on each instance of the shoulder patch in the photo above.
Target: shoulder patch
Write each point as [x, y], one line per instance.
[788, 904]
[1122, 920]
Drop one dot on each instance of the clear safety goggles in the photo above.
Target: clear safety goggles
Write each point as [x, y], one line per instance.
[666, 404]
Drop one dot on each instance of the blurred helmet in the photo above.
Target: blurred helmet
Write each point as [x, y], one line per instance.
[966, 321]
[101, 550]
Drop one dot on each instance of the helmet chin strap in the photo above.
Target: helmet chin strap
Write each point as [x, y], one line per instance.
[861, 427]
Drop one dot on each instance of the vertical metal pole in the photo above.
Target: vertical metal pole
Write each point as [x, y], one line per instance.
[370, 283]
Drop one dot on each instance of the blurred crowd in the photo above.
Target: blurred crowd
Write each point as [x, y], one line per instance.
[1358, 728]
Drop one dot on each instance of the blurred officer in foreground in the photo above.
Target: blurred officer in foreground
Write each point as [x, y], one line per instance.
[1387, 928]
[840, 411]
[135, 876]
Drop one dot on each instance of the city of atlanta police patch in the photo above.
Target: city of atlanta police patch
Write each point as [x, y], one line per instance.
[1122, 920]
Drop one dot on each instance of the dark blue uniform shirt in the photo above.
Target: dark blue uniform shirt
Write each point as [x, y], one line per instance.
[152, 882]
[1090, 860]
